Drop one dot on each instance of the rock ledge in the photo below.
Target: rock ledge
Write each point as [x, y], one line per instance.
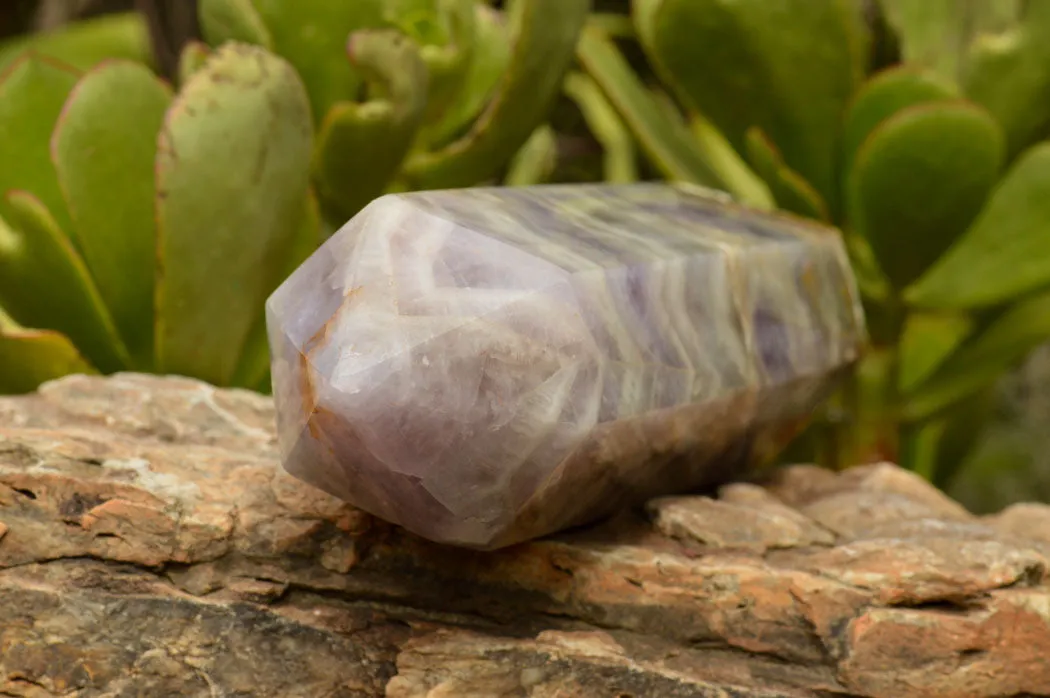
[151, 545]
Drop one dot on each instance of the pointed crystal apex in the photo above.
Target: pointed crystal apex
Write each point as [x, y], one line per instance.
[485, 366]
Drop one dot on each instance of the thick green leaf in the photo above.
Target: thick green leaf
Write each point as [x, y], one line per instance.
[254, 367]
[444, 31]
[937, 449]
[871, 281]
[998, 50]
[918, 451]
[535, 161]
[982, 360]
[32, 92]
[44, 283]
[746, 186]
[1005, 253]
[884, 95]
[490, 54]
[619, 156]
[919, 180]
[936, 34]
[1008, 466]
[1008, 73]
[312, 36]
[964, 425]
[873, 433]
[104, 148]
[31, 357]
[927, 340]
[423, 21]
[667, 142]
[729, 166]
[612, 24]
[193, 57]
[361, 145]
[787, 67]
[232, 20]
[790, 190]
[87, 42]
[232, 172]
[543, 42]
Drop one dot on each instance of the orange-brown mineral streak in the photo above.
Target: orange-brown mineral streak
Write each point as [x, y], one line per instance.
[317, 341]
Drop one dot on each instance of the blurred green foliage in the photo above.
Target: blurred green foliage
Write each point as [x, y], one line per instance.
[919, 130]
[143, 223]
[83, 44]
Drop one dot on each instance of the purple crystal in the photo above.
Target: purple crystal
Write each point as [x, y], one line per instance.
[485, 366]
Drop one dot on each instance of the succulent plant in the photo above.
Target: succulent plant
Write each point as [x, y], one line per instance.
[86, 42]
[453, 88]
[934, 166]
[142, 228]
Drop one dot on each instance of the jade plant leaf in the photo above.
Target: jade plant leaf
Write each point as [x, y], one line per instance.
[30, 357]
[926, 341]
[871, 281]
[964, 425]
[254, 367]
[32, 92]
[980, 361]
[420, 20]
[45, 284]
[104, 147]
[1005, 253]
[444, 32]
[872, 434]
[86, 42]
[936, 449]
[745, 63]
[882, 96]
[361, 145]
[544, 38]
[918, 181]
[489, 56]
[311, 35]
[729, 166]
[790, 190]
[741, 180]
[193, 57]
[998, 51]
[619, 155]
[1006, 467]
[936, 34]
[535, 161]
[1008, 72]
[232, 20]
[232, 172]
[667, 142]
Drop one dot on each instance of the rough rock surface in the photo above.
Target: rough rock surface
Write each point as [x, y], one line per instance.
[150, 545]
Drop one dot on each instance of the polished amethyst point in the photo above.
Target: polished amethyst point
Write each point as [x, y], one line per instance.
[485, 366]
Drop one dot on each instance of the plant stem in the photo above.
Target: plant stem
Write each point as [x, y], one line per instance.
[890, 401]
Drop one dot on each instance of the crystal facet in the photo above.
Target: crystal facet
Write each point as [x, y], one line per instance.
[485, 366]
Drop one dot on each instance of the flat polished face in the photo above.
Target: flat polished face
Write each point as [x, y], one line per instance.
[484, 366]
[581, 227]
